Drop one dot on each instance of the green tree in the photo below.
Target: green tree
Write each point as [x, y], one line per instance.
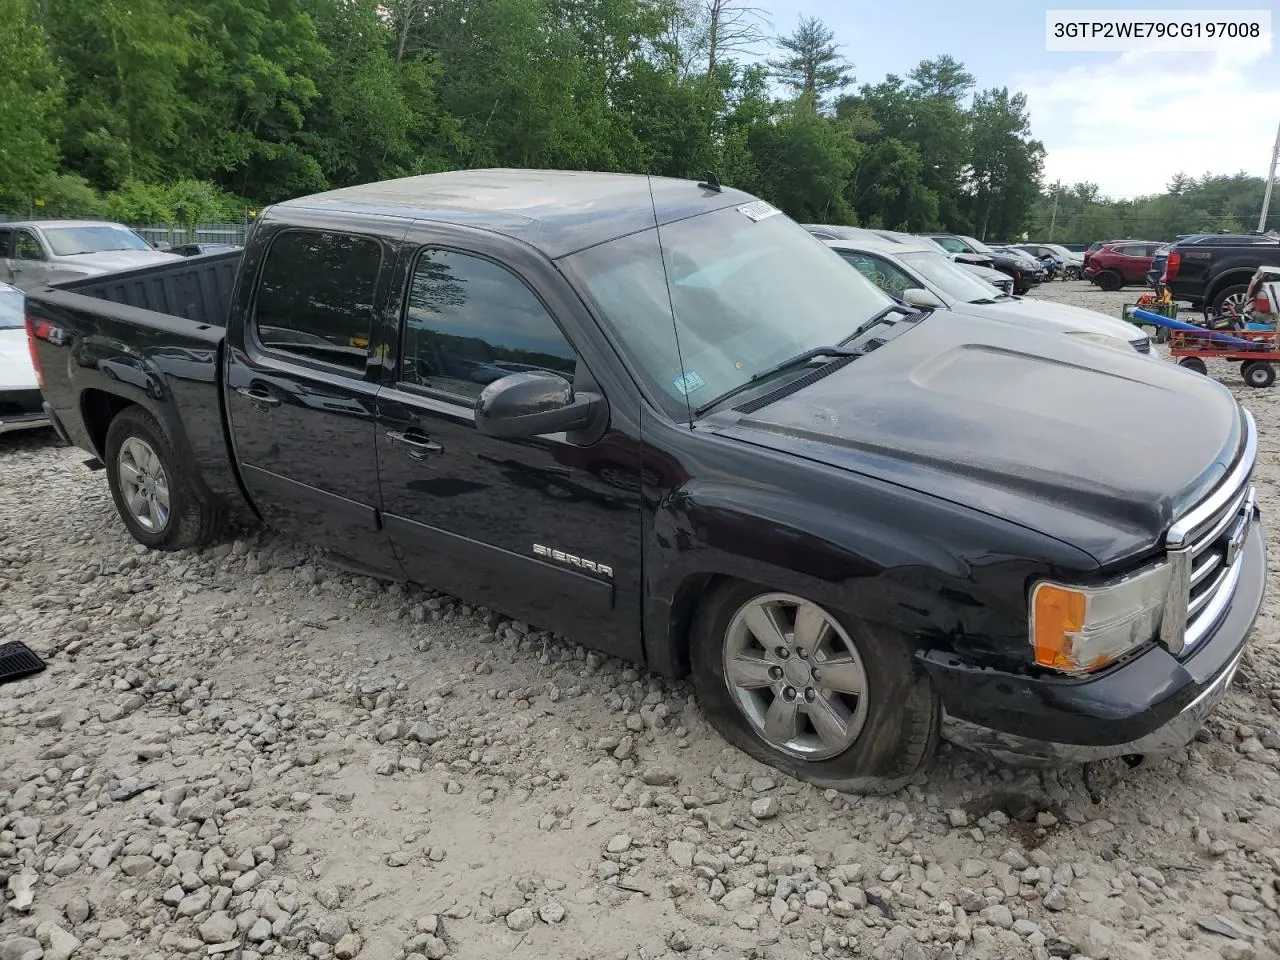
[31, 100]
[811, 63]
[1003, 177]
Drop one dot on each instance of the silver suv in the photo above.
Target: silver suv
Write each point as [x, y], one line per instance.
[37, 252]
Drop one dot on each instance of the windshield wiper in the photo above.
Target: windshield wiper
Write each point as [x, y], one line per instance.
[879, 318]
[798, 360]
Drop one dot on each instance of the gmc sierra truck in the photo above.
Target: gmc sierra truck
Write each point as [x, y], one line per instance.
[660, 418]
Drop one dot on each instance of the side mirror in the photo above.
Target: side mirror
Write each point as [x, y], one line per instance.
[161, 245]
[919, 297]
[532, 404]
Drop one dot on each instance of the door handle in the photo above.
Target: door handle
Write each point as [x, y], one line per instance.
[416, 443]
[258, 397]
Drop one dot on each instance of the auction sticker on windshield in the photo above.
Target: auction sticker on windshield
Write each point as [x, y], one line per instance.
[689, 382]
[758, 210]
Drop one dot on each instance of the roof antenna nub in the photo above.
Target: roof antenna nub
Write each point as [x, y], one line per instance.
[711, 183]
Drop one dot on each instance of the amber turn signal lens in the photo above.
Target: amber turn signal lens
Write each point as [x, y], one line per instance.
[1059, 618]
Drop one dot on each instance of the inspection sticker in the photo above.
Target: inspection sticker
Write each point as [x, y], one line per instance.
[757, 210]
[689, 382]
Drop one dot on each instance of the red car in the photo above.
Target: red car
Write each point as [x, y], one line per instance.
[1120, 262]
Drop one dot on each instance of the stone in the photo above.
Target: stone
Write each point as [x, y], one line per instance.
[957, 818]
[551, 912]
[332, 928]
[21, 948]
[765, 808]
[1236, 950]
[972, 869]
[77, 910]
[619, 844]
[348, 947]
[219, 928]
[998, 916]
[137, 866]
[739, 898]
[681, 853]
[114, 929]
[520, 920]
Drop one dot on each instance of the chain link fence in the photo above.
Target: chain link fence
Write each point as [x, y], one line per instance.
[232, 233]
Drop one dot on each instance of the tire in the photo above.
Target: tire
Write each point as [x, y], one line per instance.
[1234, 294]
[137, 447]
[1258, 373]
[894, 724]
[1109, 280]
[1071, 273]
[1194, 364]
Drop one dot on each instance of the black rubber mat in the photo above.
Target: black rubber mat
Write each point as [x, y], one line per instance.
[17, 660]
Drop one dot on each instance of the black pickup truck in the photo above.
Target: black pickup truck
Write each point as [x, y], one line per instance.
[1211, 271]
[662, 419]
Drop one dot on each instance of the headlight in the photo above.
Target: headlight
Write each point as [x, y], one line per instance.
[1102, 338]
[1079, 629]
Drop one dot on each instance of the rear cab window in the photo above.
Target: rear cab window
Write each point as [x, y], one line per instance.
[315, 297]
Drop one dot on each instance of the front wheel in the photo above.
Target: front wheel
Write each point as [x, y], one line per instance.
[152, 490]
[1108, 280]
[1071, 273]
[817, 694]
[1194, 364]
[1258, 373]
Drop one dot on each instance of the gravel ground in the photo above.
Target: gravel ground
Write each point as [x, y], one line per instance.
[244, 752]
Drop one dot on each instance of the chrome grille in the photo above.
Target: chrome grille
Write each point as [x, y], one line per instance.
[1203, 550]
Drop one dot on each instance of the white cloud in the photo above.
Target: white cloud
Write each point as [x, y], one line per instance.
[1131, 122]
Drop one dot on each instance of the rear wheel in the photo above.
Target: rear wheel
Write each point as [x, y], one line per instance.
[152, 489]
[820, 695]
[1258, 373]
[1194, 364]
[1230, 301]
[1109, 280]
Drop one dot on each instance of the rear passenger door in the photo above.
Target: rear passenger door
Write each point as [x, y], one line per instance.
[300, 386]
[547, 528]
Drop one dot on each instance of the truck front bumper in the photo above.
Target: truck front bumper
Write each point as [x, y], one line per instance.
[1152, 704]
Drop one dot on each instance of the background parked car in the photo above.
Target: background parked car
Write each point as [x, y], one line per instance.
[976, 264]
[1072, 262]
[21, 406]
[910, 273]
[1212, 271]
[37, 252]
[1124, 262]
[1024, 276]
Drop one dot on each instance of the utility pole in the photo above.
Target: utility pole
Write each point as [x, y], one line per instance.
[1057, 188]
[1271, 176]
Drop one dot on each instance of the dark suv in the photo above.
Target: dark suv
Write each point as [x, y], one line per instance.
[1024, 275]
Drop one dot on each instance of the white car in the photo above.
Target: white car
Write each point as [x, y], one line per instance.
[38, 252]
[921, 277]
[1001, 281]
[21, 406]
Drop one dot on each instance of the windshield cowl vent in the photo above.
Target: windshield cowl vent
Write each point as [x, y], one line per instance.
[799, 383]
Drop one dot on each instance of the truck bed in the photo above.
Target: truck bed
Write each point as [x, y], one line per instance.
[197, 288]
[152, 337]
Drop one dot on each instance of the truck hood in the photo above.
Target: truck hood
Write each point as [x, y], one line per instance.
[16, 371]
[1051, 316]
[1097, 447]
[109, 261]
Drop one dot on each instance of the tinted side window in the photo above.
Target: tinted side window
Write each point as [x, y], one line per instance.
[470, 322]
[6, 243]
[315, 298]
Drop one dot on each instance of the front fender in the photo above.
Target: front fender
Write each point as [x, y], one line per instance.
[946, 577]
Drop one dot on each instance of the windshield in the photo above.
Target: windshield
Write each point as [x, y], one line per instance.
[748, 290]
[950, 244]
[11, 312]
[954, 281]
[977, 245]
[68, 241]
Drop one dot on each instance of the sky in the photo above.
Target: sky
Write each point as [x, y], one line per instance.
[1125, 121]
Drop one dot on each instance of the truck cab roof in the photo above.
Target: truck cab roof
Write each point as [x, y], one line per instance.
[558, 212]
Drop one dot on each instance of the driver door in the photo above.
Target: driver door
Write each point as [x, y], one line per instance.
[543, 529]
[25, 259]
